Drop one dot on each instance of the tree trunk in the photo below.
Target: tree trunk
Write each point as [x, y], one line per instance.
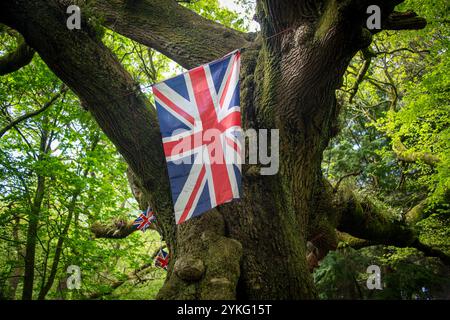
[254, 248]
[58, 251]
[18, 269]
[33, 224]
[33, 218]
[59, 245]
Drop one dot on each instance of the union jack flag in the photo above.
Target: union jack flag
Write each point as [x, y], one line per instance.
[200, 122]
[162, 259]
[144, 220]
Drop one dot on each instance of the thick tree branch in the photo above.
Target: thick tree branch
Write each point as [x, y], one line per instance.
[17, 59]
[404, 21]
[406, 155]
[357, 243]
[177, 32]
[118, 229]
[391, 20]
[431, 251]
[351, 241]
[362, 219]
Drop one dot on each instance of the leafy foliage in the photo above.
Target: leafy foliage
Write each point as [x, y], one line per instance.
[405, 274]
[394, 146]
[396, 116]
[85, 181]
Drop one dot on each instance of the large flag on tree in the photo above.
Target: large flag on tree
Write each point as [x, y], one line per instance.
[200, 120]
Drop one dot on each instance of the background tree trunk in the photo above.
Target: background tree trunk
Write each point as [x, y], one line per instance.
[18, 269]
[33, 224]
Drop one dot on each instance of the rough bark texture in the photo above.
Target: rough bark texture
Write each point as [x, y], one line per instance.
[185, 37]
[255, 248]
[33, 224]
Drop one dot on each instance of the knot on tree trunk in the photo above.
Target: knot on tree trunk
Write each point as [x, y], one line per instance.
[215, 276]
[207, 265]
[189, 269]
[223, 268]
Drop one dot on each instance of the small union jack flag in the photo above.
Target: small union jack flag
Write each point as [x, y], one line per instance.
[162, 259]
[200, 122]
[144, 220]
